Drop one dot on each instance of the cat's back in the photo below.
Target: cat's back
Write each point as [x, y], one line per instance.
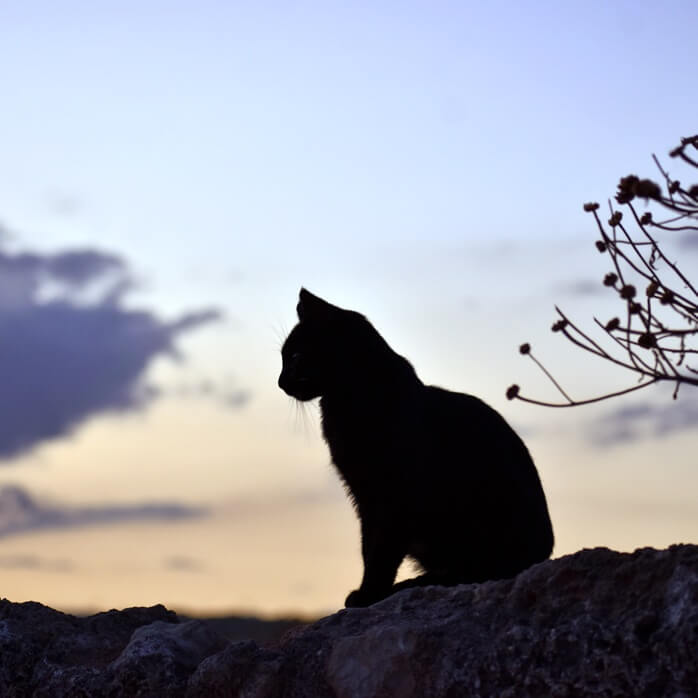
[476, 458]
[460, 410]
[463, 428]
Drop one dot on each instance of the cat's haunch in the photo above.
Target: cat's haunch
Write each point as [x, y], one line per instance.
[436, 476]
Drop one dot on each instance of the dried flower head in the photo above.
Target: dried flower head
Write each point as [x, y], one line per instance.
[646, 218]
[613, 324]
[512, 392]
[615, 219]
[647, 189]
[628, 292]
[591, 206]
[635, 308]
[559, 325]
[626, 189]
[647, 340]
[610, 279]
[601, 246]
[667, 297]
[651, 289]
[525, 348]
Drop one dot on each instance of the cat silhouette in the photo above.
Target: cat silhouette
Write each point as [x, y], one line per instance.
[435, 476]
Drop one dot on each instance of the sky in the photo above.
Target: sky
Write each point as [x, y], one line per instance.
[172, 174]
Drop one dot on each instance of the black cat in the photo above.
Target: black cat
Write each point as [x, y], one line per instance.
[437, 476]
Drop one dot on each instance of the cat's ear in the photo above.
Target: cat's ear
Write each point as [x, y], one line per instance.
[311, 306]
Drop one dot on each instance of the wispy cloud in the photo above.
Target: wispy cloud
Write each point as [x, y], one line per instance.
[69, 348]
[689, 241]
[581, 287]
[225, 394]
[34, 563]
[182, 563]
[20, 512]
[642, 421]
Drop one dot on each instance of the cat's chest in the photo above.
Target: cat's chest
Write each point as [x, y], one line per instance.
[373, 436]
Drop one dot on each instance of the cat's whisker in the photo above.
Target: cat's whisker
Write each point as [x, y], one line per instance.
[280, 332]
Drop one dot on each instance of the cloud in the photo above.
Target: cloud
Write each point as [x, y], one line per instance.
[689, 241]
[69, 349]
[182, 563]
[63, 204]
[641, 421]
[20, 513]
[34, 563]
[235, 398]
[226, 394]
[582, 287]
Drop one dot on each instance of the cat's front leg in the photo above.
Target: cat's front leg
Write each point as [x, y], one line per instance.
[382, 551]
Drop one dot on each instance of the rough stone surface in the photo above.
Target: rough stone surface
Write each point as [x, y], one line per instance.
[596, 623]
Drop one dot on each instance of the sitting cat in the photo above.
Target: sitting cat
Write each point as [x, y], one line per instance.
[434, 475]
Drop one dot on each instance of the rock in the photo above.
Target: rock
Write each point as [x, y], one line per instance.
[45, 653]
[596, 623]
[162, 655]
[242, 668]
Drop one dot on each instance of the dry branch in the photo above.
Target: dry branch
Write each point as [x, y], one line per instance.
[652, 336]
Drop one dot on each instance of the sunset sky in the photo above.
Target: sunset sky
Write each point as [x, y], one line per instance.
[173, 172]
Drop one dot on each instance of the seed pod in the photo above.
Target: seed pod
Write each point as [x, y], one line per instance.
[613, 324]
[647, 189]
[615, 219]
[647, 340]
[628, 292]
[626, 189]
[512, 392]
[610, 279]
[667, 297]
[525, 348]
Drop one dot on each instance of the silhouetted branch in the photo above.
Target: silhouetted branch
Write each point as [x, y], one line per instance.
[651, 341]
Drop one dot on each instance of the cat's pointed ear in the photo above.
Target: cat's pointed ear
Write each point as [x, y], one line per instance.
[312, 306]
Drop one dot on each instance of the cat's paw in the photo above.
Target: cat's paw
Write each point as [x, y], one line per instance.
[358, 599]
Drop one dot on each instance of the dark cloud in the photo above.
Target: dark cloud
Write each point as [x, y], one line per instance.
[81, 266]
[69, 349]
[21, 513]
[642, 421]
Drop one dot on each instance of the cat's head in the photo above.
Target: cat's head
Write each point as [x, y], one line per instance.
[324, 349]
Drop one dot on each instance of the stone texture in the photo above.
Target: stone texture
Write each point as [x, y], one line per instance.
[596, 623]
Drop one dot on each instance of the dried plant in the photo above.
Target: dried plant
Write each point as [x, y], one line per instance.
[654, 336]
